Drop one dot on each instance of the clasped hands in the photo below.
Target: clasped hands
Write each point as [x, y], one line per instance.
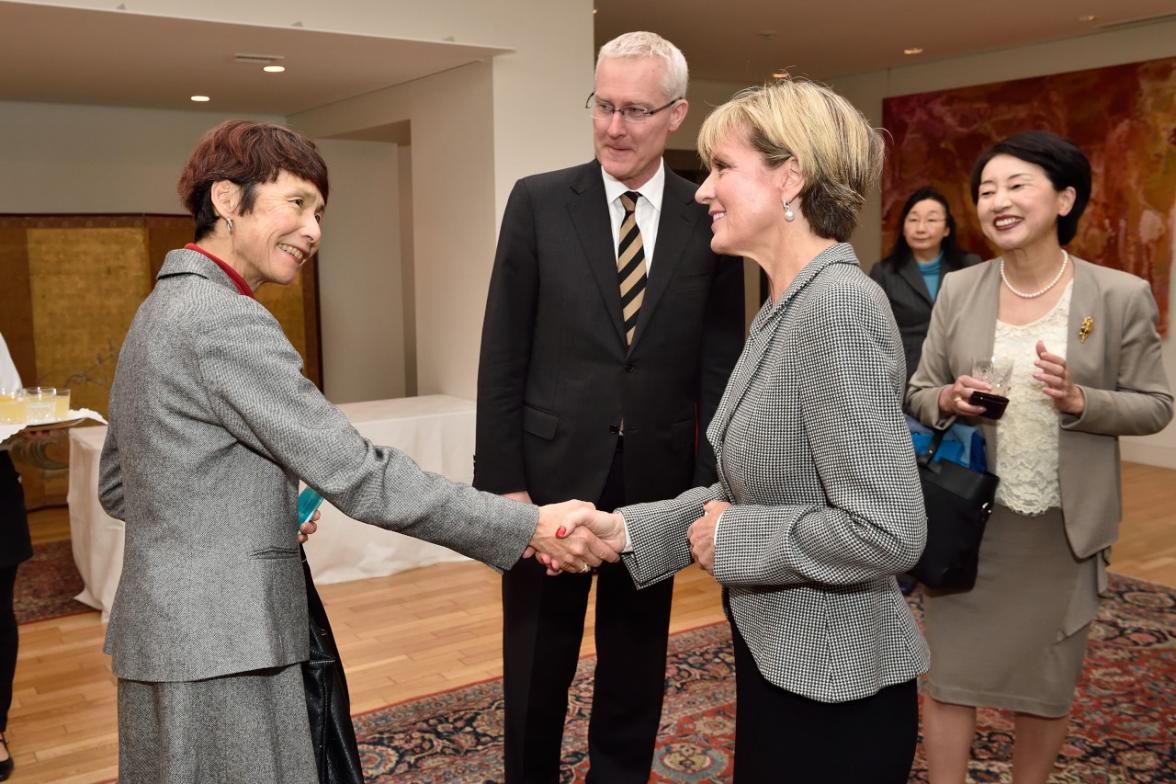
[575, 537]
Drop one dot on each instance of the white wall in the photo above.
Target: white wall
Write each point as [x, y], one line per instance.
[453, 209]
[59, 158]
[704, 95]
[360, 273]
[1145, 42]
[64, 158]
[527, 118]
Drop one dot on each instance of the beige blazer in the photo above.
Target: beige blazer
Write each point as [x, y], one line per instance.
[1118, 366]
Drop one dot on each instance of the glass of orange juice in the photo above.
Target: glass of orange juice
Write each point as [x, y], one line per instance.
[39, 404]
[12, 405]
[61, 404]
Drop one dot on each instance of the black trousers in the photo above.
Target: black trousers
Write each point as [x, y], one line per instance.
[543, 624]
[784, 738]
[9, 637]
[14, 548]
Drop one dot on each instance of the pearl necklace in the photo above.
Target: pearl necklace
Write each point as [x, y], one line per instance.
[1039, 292]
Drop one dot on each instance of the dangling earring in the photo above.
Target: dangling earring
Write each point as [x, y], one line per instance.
[229, 223]
[789, 215]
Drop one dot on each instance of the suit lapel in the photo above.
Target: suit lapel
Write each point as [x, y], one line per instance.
[1084, 358]
[909, 271]
[589, 214]
[673, 230]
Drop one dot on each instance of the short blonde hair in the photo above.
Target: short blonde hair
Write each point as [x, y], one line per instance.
[839, 154]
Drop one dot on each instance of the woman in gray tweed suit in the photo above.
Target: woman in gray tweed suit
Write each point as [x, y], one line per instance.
[211, 426]
[818, 492]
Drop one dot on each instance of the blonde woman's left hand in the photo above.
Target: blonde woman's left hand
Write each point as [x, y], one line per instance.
[308, 528]
[1055, 375]
[702, 535]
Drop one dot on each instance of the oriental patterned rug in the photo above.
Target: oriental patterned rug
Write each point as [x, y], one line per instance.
[1123, 728]
[47, 583]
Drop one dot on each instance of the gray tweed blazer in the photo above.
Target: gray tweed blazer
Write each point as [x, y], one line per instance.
[211, 426]
[815, 457]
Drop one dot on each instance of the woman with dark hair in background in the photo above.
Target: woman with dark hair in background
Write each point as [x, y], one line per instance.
[924, 251]
[1086, 369]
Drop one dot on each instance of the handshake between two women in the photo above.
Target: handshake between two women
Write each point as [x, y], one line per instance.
[576, 537]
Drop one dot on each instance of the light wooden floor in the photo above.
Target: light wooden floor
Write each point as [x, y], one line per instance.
[402, 636]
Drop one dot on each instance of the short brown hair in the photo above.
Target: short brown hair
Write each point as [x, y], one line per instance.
[837, 151]
[246, 153]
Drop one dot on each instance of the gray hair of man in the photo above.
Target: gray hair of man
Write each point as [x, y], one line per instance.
[645, 44]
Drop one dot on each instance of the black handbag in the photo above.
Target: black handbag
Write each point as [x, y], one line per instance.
[959, 502]
[328, 704]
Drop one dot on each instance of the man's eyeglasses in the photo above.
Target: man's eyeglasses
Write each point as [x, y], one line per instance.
[603, 110]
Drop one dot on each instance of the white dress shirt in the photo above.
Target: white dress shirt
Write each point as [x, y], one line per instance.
[648, 208]
[9, 378]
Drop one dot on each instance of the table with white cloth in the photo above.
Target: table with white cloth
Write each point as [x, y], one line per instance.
[437, 431]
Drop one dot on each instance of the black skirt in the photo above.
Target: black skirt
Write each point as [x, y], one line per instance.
[14, 524]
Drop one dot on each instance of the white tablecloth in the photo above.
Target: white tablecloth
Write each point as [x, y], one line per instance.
[437, 431]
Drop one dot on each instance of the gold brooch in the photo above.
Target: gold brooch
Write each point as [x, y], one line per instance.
[1085, 330]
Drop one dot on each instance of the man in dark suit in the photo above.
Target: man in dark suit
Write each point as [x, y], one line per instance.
[610, 331]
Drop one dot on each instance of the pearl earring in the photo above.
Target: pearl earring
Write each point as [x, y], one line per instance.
[789, 215]
[229, 223]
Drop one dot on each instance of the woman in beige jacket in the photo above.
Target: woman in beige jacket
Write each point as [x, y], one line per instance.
[1086, 369]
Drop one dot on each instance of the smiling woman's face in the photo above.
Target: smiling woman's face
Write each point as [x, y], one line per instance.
[1017, 204]
[743, 197]
[272, 241]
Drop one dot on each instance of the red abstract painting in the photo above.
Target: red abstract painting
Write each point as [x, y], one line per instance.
[1124, 119]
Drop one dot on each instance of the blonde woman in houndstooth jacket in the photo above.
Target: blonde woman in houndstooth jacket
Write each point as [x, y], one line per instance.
[818, 504]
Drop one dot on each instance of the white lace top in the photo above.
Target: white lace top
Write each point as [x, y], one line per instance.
[1027, 434]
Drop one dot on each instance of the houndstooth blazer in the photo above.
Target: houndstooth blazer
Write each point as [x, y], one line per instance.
[815, 457]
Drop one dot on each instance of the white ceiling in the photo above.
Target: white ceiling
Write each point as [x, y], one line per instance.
[67, 55]
[746, 40]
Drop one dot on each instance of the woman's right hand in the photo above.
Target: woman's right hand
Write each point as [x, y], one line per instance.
[953, 398]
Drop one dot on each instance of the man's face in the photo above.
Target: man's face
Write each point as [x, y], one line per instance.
[631, 151]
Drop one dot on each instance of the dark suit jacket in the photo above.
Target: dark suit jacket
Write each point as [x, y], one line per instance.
[911, 301]
[555, 377]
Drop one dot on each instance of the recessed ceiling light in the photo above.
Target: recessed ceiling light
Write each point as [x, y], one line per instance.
[779, 74]
[201, 98]
[274, 68]
[913, 50]
[1087, 18]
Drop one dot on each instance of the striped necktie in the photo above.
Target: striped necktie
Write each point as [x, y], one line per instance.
[630, 265]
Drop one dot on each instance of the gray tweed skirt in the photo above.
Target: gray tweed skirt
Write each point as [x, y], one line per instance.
[247, 727]
[1017, 640]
